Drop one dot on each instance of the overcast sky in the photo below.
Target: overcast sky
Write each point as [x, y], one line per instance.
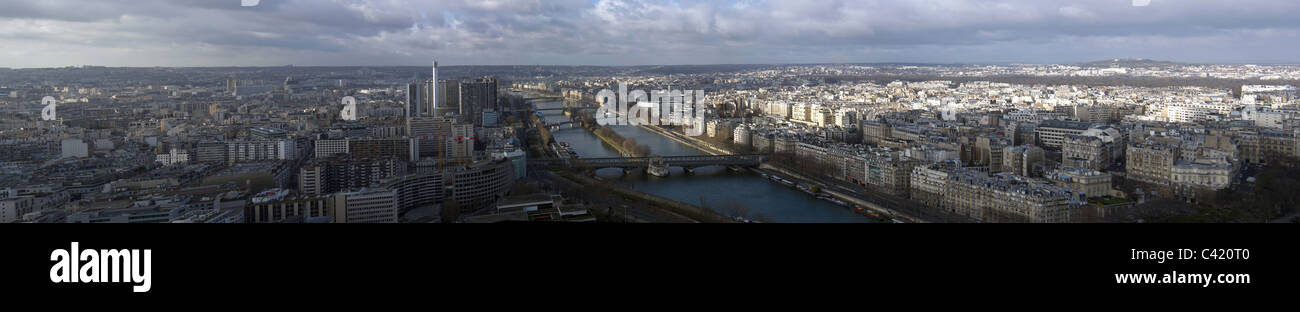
[55, 33]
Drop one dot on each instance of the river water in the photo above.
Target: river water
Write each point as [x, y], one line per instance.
[711, 187]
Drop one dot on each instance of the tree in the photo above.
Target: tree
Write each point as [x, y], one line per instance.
[629, 145]
[642, 150]
[545, 134]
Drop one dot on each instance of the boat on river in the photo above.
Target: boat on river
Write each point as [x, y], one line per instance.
[657, 167]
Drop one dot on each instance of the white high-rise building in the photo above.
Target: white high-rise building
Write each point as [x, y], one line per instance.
[433, 98]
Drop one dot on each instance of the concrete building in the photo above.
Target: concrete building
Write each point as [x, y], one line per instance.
[988, 152]
[518, 161]
[1259, 146]
[478, 186]
[211, 152]
[341, 173]
[1151, 161]
[1085, 152]
[1094, 113]
[1024, 160]
[380, 148]
[928, 183]
[441, 138]
[875, 131]
[783, 144]
[364, 206]
[278, 205]
[889, 173]
[416, 92]
[449, 94]
[477, 95]
[741, 136]
[251, 151]
[174, 157]
[1051, 133]
[327, 148]
[1006, 198]
[12, 209]
[1210, 174]
[1090, 182]
[74, 148]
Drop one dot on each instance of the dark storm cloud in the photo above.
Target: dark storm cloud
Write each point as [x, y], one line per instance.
[391, 32]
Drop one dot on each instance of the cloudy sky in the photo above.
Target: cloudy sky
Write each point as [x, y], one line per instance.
[54, 33]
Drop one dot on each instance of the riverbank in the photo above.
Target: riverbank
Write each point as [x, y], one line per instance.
[772, 169]
[741, 193]
[698, 144]
[664, 205]
[611, 142]
[890, 213]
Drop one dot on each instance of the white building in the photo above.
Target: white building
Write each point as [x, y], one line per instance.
[740, 136]
[327, 148]
[241, 151]
[175, 156]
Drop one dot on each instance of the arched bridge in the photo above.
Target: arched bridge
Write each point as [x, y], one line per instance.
[688, 162]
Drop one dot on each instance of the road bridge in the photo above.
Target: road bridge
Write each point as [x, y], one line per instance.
[631, 163]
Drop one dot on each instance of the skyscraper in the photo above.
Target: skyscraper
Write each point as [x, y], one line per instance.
[433, 87]
[413, 99]
[426, 98]
[448, 97]
[476, 95]
[232, 86]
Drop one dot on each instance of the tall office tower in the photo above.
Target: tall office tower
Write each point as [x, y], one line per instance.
[413, 99]
[426, 98]
[448, 97]
[232, 86]
[433, 87]
[477, 94]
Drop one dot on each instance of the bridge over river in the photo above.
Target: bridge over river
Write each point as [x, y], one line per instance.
[686, 162]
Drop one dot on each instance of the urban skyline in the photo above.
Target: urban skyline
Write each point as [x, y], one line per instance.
[829, 111]
[613, 32]
[358, 149]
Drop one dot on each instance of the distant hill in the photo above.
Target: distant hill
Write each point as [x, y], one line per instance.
[1129, 63]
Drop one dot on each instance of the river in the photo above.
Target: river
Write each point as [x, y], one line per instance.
[710, 187]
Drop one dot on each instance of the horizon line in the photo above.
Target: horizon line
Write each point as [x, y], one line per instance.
[651, 65]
